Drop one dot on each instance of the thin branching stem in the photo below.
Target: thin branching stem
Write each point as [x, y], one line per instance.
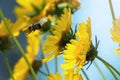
[8, 64]
[105, 62]
[98, 68]
[85, 74]
[42, 55]
[43, 73]
[111, 9]
[56, 64]
[114, 75]
[46, 65]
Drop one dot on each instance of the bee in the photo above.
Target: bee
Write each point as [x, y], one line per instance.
[42, 25]
[92, 53]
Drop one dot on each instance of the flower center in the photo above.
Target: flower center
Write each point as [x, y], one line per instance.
[4, 43]
[66, 37]
[36, 65]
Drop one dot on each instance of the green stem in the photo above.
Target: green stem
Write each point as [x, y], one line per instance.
[18, 45]
[111, 72]
[111, 8]
[108, 64]
[56, 64]
[42, 55]
[8, 64]
[101, 73]
[47, 68]
[43, 73]
[85, 74]
[46, 65]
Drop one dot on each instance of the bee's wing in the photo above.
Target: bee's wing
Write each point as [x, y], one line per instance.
[43, 21]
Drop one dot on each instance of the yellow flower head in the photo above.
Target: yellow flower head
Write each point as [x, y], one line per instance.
[75, 53]
[27, 6]
[57, 76]
[68, 75]
[36, 9]
[21, 68]
[115, 31]
[117, 50]
[5, 42]
[15, 27]
[55, 43]
[72, 75]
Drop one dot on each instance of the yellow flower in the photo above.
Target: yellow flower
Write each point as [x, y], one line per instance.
[68, 75]
[55, 43]
[118, 51]
[72, 75]
[25, 7]
[75, 53]
[21, 68]
[5, 42]
[115, 31]
[15, 27]
[36, 9]
[57, 76]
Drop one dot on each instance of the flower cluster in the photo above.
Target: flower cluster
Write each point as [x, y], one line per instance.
[69, 75]
[115, 32]
[48, 28]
